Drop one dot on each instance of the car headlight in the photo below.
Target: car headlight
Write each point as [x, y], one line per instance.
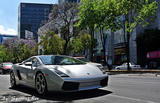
[101, 68]
[61, 73]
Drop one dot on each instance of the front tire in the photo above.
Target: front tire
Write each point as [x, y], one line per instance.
[40, 84]
[12, 80]
[3, 71]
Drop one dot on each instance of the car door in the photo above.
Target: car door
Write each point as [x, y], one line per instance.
[22, 71]
[31, 71]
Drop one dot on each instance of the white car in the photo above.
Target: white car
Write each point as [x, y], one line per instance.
[124, 66]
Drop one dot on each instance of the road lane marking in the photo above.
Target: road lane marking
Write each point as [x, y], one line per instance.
[147, 101]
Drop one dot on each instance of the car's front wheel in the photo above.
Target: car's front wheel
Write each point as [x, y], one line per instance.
[12, 80]
[3, 71]
[40, 84]
[118, 68]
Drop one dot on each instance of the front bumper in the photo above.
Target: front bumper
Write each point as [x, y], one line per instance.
[78, 84]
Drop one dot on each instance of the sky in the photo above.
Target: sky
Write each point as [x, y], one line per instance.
[9, 14]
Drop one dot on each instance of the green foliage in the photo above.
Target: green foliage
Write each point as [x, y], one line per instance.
[87, 14]
[107, 13]
[3, 54]
[17, 50]
[138, 12]
[115, 14]
[80, 43]
[52, 43]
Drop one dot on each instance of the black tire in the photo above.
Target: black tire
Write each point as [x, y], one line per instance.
[12, 80]
[40, 84]
[3, 71]
[118, 69]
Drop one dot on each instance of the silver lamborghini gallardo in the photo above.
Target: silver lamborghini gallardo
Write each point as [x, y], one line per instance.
[57, 73]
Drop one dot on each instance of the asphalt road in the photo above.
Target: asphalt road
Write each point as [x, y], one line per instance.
[124, 88]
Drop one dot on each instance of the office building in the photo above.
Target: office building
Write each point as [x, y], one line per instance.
[63, 1]
[5, 37]
[30, 17]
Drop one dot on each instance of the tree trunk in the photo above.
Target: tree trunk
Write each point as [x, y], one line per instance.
[127, 46]
[128, 51]
[91, 48]
[65, 48]
[127, 42]
[67, 39]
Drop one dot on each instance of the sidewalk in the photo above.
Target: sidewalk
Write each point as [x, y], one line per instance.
[135, 72]
[146, 75]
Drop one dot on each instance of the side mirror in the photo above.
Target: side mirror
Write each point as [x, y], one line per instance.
[28, 63]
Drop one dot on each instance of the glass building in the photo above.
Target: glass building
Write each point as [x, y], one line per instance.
[5, 37]
[31, 16]
[63, 1]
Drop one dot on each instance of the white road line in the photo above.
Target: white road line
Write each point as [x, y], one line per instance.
[140, 100]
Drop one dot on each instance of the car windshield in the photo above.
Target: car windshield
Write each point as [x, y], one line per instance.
[60, 60]
[84, 59]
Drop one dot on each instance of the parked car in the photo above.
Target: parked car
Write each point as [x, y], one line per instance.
[88, 61]
[57, 73]
[5, 67]
[124, 66]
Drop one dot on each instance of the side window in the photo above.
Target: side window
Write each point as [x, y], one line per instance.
[35, 62]
[28, 60]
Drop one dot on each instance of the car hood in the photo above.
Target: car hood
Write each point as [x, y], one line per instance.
[93, 63]
[79, 71]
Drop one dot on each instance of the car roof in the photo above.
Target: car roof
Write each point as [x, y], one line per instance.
[52, 55]
[7, 63]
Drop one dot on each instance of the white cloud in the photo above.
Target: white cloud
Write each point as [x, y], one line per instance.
[7, 31]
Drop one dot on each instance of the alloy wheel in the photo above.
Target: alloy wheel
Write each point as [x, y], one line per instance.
[40, 84]
[12, 80]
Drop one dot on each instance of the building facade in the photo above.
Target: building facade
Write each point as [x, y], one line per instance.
[119, 42]
[30, 17]
[5, 37]
[63, 1]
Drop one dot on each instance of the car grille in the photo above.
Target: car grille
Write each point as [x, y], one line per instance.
[75, 86]
[70, 86]
[89, 84]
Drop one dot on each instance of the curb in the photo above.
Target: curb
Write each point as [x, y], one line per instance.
[114, 72]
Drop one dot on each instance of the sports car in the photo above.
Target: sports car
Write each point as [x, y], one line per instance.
[57, 73]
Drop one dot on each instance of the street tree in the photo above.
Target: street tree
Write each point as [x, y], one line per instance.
[80, 43]
[65, 16]
[52, 43]
[20, 49]
[135, 12]
[112, 14]
[107, 13]
[4, 54]
[86, 19]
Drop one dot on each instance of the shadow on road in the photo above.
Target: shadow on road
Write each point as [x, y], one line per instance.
[62, 97]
